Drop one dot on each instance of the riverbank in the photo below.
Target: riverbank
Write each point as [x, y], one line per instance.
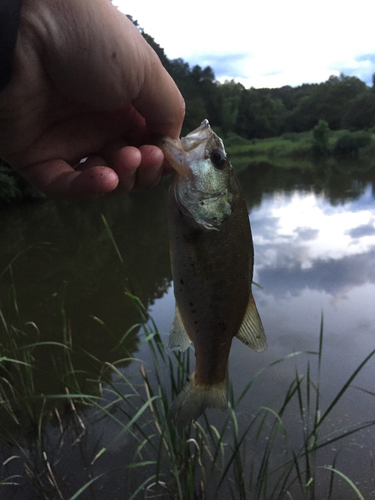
[302, 150]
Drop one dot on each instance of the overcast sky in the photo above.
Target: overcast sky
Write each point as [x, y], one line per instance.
[264, 43]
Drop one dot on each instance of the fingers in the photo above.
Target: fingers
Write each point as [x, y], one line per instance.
[59, 180]
[118, 169]
[151, 168]
[135, 168]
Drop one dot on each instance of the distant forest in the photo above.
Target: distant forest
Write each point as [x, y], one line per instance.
[344, 102]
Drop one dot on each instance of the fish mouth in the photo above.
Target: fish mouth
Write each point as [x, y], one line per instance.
[180, 153]
[197, 136]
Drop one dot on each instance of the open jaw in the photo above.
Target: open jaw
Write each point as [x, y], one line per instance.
[180, 153]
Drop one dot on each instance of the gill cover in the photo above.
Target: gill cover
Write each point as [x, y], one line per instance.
[203, 184]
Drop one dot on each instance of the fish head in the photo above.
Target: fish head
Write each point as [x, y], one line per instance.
[204, 185]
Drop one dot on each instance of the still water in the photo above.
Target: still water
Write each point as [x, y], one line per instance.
[314, 240]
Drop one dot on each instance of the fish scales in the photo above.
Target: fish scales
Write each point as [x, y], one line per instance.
[212, 273]
[212, 266]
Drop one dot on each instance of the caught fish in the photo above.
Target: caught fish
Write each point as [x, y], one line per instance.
[212, 260]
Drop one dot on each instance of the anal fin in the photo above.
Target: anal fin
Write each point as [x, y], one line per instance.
[178, 338]
[251, 331]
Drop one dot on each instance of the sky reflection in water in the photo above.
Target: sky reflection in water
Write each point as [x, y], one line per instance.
[311, 259]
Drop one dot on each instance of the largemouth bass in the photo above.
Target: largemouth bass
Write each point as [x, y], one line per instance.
[212, 260]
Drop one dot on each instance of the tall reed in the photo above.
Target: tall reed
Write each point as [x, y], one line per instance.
[206, 461]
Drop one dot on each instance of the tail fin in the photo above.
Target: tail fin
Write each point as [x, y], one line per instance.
[195, 398]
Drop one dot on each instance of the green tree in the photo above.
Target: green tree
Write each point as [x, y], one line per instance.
[321, 133]
[228, 96]
[199, 75]
[327, 101]
[290, 96]
[361, 112]
[195, 113]
[349, 143]
[259, 115]
[202, 83]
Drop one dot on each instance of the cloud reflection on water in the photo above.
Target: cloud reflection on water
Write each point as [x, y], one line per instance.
[313, 258]
[302, 241]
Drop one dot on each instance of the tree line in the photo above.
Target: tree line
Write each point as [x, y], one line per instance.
[344, 102]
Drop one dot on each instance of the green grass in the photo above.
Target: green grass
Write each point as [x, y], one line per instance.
[289, 150]
[204, 461]
[279, 151]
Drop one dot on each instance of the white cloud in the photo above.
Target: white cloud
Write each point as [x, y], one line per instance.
[287, 42]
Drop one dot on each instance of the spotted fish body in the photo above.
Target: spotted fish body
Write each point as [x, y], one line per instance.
[212, 266]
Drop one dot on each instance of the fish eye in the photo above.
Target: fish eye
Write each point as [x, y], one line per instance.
[218, 158]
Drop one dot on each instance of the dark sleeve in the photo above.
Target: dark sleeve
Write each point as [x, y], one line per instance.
[9, 22]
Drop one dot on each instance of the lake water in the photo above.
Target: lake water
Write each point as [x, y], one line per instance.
[314, 240]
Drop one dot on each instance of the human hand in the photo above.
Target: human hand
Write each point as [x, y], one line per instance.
[85, 84]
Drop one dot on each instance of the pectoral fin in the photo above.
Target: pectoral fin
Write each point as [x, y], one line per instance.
[178, 338]
[251, 331]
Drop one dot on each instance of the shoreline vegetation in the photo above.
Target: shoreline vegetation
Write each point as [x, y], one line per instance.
[304, 150]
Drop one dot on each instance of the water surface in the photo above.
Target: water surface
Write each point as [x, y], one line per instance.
[314, 239]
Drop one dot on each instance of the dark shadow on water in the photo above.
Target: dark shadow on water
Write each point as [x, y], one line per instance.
[62, 281]
[337, 182]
